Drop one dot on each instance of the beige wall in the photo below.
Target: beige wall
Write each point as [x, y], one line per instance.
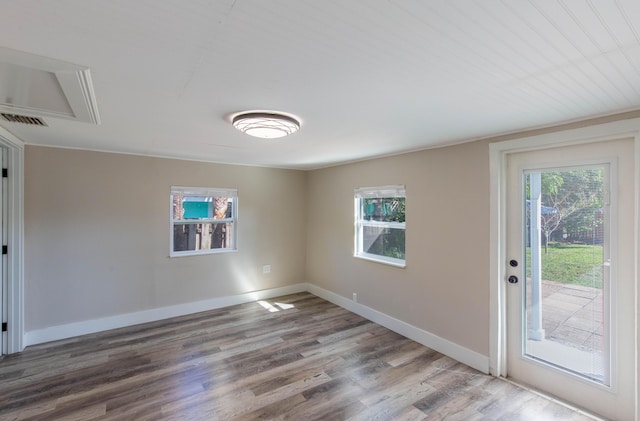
[97, 234]
[97, 237]
[445, 287]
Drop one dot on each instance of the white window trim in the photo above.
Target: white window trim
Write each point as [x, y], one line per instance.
[391, 261]
[359, 223]
[204, 191]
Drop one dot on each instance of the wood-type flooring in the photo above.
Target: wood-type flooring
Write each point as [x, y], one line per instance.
[296, 357]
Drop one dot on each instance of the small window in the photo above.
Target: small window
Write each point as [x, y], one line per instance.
[203, 220]
[380, 224]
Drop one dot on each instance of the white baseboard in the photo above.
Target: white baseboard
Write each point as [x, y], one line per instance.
[471, 358]
[459, 353]
[70, 330]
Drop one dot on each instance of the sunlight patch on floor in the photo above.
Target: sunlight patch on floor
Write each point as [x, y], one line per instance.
[273, 308]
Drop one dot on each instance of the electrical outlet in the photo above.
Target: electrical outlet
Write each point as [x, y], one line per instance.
[266, 269]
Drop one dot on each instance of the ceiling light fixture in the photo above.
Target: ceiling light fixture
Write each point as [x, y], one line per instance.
[266, 125]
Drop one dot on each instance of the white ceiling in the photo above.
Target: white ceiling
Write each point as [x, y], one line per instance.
[365, 77]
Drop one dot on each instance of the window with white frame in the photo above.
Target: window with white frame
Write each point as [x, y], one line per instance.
[380, 224]
[203, 220]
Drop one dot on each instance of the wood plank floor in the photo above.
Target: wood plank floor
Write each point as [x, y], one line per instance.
[296, 357]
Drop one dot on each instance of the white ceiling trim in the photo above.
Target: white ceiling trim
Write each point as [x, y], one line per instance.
[75, 82]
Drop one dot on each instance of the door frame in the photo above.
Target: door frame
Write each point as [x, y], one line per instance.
[498, 153]
[15, 225]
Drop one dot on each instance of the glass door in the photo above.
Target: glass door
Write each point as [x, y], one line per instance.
[570, 282]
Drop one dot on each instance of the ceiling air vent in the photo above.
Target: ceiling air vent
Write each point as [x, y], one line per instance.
[16, 118]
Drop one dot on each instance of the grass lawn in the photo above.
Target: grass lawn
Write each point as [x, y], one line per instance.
[571, 264]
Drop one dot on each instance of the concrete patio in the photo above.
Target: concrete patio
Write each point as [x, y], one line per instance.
[572, 319]
[573, 315]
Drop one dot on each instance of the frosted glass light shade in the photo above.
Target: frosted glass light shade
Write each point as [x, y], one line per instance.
[266, 125]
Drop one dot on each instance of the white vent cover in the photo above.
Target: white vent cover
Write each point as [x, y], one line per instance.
[36, 86]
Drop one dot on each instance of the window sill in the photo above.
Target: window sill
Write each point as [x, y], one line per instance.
[201, 253]
[390, 261]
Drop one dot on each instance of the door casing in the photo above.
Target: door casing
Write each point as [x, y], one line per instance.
[499, 152]
[15, 235]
